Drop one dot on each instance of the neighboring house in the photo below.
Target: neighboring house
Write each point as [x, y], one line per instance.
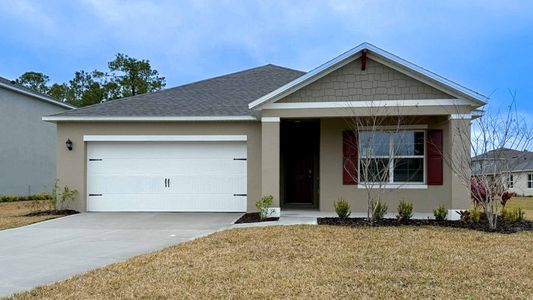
[518, 166]
[27, 144]
[222, 143]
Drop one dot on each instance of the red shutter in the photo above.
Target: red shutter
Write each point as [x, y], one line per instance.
[349, 157]
[434, 157]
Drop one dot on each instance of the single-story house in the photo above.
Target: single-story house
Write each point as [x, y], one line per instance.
[516, 165]
[220, 144]
[27, 144]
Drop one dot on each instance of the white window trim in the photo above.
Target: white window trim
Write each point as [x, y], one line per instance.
[165, 138]
[392, 184]
[530, 180]
[510, 179]
[414, 186]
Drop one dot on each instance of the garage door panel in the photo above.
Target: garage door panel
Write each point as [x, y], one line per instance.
[166, 150]
[132, 176]
[168, 202]
[166, 166]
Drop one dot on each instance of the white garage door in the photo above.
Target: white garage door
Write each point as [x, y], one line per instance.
[166, 176]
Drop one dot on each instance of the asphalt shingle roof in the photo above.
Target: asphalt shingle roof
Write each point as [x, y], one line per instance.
[514, 160]
[227, 95]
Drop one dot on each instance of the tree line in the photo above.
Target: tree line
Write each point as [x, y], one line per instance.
[126, 76]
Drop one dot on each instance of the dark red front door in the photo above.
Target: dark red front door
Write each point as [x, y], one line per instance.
[299, 158]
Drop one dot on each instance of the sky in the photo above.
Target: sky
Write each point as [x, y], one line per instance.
[484, 45]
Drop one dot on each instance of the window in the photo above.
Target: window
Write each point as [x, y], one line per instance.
[510, 181]
[392, 157]
[530, 181]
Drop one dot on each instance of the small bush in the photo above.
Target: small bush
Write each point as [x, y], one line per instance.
[440, 213]
[379, 209]
[475, 215]
[464, 215]
[514, 215]
[405, 211]
[264, 206]
[342, 208]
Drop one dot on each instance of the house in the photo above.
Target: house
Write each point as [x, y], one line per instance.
[516, 165]
[28, 145]
[222, 143]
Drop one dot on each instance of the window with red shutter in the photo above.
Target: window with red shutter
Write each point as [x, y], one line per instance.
[434, 157]
[350, 159]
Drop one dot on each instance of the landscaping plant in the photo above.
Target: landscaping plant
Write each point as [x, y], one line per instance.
[342, 208]
[379, 209]
[475, 215]
[405, 211]
[513, 215]
[263, 205]
[440, 213]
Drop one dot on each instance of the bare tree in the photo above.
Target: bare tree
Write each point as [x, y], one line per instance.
[380, 141]
[496, 141]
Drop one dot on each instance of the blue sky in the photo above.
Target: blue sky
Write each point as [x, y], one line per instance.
[484, 45]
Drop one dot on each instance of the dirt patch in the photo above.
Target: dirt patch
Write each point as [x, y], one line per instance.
[503, 226]
[252, 218]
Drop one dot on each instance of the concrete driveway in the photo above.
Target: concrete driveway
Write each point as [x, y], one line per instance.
[53, 250]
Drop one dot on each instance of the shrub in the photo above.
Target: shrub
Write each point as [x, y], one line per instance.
[264, 206]
[342, 208]
[24, 198]
[440, 213]
[475, 215]
[514, 215]
[470, 216]
[405, 211]
[379, 209]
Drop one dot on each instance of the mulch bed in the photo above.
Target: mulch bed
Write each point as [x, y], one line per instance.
[55, 212]
[252, 218]
[502, 226]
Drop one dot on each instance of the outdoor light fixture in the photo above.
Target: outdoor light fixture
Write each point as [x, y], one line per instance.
[69, 144]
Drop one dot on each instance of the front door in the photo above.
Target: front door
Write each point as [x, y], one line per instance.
[299, 163]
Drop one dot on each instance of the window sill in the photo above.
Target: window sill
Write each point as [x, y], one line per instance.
[408, 186]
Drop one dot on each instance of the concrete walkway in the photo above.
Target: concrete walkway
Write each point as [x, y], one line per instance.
[54, 250]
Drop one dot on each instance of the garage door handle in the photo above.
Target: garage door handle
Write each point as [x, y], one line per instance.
[168, 182]
[165, 182]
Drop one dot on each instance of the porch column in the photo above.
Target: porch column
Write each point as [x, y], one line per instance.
[459, 149]
[270, 178]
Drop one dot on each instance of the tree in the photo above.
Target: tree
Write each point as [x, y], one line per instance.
[127, 76]
[495, 135]
[35, 81]
[132, 76]
[86, 89]
[380, 142]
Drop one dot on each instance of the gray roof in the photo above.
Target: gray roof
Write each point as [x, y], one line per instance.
[226, 95]
[514, 160]
[11, 85]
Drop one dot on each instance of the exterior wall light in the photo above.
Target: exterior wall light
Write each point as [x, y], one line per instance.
[69, 144]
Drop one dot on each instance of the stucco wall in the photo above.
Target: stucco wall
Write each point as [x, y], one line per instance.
[71, 167]
[377, 82]
[27, 144]
[331, 187]
[520, 184]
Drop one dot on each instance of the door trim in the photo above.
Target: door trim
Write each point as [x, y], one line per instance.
[165, 138]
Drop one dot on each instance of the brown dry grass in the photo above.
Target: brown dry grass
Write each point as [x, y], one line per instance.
[525, 203]
[11, 213]
[318, 262]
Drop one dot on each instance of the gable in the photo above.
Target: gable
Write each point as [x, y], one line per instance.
[377, 82]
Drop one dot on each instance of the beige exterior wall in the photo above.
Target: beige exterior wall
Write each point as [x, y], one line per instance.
[377, 82]
[424, 200]
[71, 165]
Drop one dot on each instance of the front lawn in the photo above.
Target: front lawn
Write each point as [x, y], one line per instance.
[12, 214]
[525, 203]
[318, 262]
